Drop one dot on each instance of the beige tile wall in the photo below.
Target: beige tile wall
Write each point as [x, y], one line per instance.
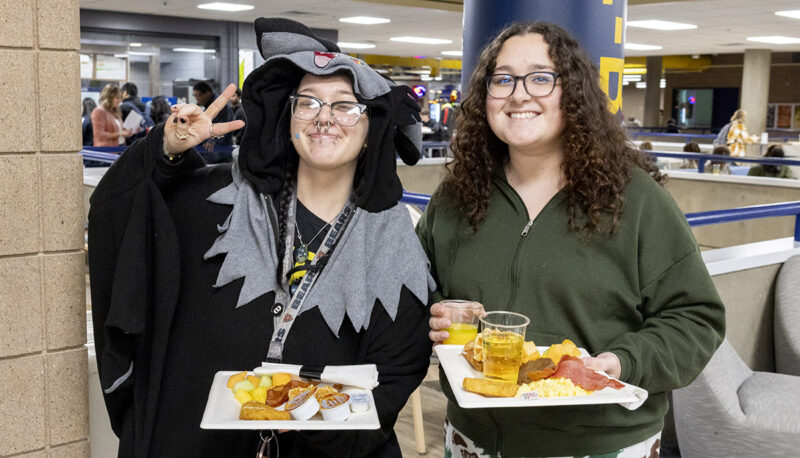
[43, 361]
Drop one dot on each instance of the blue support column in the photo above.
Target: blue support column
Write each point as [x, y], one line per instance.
[599, 26]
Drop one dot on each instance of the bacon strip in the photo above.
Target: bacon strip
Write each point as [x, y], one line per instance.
[572, 368]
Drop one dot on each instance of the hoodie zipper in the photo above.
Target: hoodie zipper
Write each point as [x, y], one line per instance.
[522, 237]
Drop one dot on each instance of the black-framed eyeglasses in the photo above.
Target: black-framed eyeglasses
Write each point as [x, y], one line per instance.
[307, 107]
[536, 84]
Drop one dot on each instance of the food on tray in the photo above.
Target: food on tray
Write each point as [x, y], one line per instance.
[266, 381]
[325, 390]
[492, 388]
[304, 405]
[530, 352]
[574, 369]
[236, 378]
[556, 351]
[254, 410]
[536, 369]
[281, 379]
[279, 394]
[552, 387]
[335, 407]
[469, 354]
[558, 371]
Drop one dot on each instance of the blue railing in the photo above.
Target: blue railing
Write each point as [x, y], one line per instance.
[686, 137]
[694, 219]
[109, 154]
[702, 158]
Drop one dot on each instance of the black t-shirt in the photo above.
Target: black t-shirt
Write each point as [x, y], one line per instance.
[313, 231]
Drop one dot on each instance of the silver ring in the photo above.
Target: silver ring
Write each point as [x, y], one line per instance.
[327, 126]
[181, 137]
[211, 133]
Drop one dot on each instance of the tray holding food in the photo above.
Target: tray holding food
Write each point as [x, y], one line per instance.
[545, 376]
[268, 398]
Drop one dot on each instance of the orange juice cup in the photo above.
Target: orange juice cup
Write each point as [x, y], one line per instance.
[503, 339]
[463, 317]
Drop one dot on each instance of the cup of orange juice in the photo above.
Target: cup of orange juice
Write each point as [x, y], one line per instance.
[463, 317]
[503, 338]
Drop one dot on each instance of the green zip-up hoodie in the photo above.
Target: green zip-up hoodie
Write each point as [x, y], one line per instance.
[642, 293]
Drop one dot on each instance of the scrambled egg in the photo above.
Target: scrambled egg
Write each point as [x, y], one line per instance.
[552, 387]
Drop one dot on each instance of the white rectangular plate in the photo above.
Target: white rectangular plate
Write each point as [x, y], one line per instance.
[222, 412]
[457, 368]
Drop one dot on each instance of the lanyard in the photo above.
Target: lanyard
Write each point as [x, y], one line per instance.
[285, 318]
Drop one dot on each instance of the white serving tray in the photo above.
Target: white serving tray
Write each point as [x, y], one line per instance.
[457, 368]
[222, 412]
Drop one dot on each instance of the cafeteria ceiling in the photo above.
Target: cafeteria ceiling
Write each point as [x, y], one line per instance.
[723, 26]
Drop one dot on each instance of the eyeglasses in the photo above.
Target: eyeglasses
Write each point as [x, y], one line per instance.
[536, 84]
[306, 107]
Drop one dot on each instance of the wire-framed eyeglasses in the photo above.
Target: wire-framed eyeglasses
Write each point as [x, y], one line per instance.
[536, 84]
[307, 107]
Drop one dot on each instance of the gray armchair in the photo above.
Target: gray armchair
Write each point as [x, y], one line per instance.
[787, 318]
[731, 411]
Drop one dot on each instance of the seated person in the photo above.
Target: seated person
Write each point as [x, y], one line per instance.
[720, 167]
[774, 171]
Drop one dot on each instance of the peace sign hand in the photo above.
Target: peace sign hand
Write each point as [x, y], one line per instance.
[189, 126]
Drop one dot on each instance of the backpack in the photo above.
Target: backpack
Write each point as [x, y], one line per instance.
[722, 136]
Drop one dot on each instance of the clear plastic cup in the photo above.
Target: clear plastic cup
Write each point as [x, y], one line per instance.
[463, 317]
[503, 338]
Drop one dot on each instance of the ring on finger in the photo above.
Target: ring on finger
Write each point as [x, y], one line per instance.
[211, 133]
[181, 137]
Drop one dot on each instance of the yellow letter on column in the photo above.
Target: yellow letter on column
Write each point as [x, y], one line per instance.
[611, 72]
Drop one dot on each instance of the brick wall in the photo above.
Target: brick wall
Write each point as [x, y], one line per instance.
[43, 361]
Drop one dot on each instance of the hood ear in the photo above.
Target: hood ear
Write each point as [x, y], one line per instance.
[283, 36]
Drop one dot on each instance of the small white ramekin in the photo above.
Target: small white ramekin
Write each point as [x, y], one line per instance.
[335, 407]
[303, 406]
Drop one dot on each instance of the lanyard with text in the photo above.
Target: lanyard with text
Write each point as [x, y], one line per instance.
[283, 319]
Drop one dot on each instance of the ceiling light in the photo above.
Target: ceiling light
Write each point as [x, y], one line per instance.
[792, 14]
[640, 47]
[663, 83]
[421, 40]
[452, 53]
[135, 45]
[346, 44]
[655, 24]
[207, 51]
[775, 40]
[138, 53]
[641, 85]
[121, 56]
[365, 20]
[221, 6]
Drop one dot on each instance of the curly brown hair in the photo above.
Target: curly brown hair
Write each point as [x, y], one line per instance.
[597, 155]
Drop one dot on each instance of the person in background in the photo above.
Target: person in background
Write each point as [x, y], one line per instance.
[107, 127]
[645, 146]
[435, 134]
[691, 147]
[131, 102]
[194, 268]
[738, 136]
[549, 211]
[774, 171]
[204, 95]
[719, 167]
[159, 109]
[238, 114]
[672, 127]
[130, 98]
[86, 120]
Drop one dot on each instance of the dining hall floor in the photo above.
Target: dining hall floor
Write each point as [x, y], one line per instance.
[433, 411]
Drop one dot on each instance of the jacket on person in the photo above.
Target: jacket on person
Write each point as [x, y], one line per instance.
[104, 124]
[642, 293]
[761, 171]
[163, 329]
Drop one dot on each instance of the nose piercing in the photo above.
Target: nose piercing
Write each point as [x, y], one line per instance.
[327, 126]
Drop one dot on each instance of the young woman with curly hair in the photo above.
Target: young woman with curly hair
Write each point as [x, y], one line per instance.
[547, 210]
